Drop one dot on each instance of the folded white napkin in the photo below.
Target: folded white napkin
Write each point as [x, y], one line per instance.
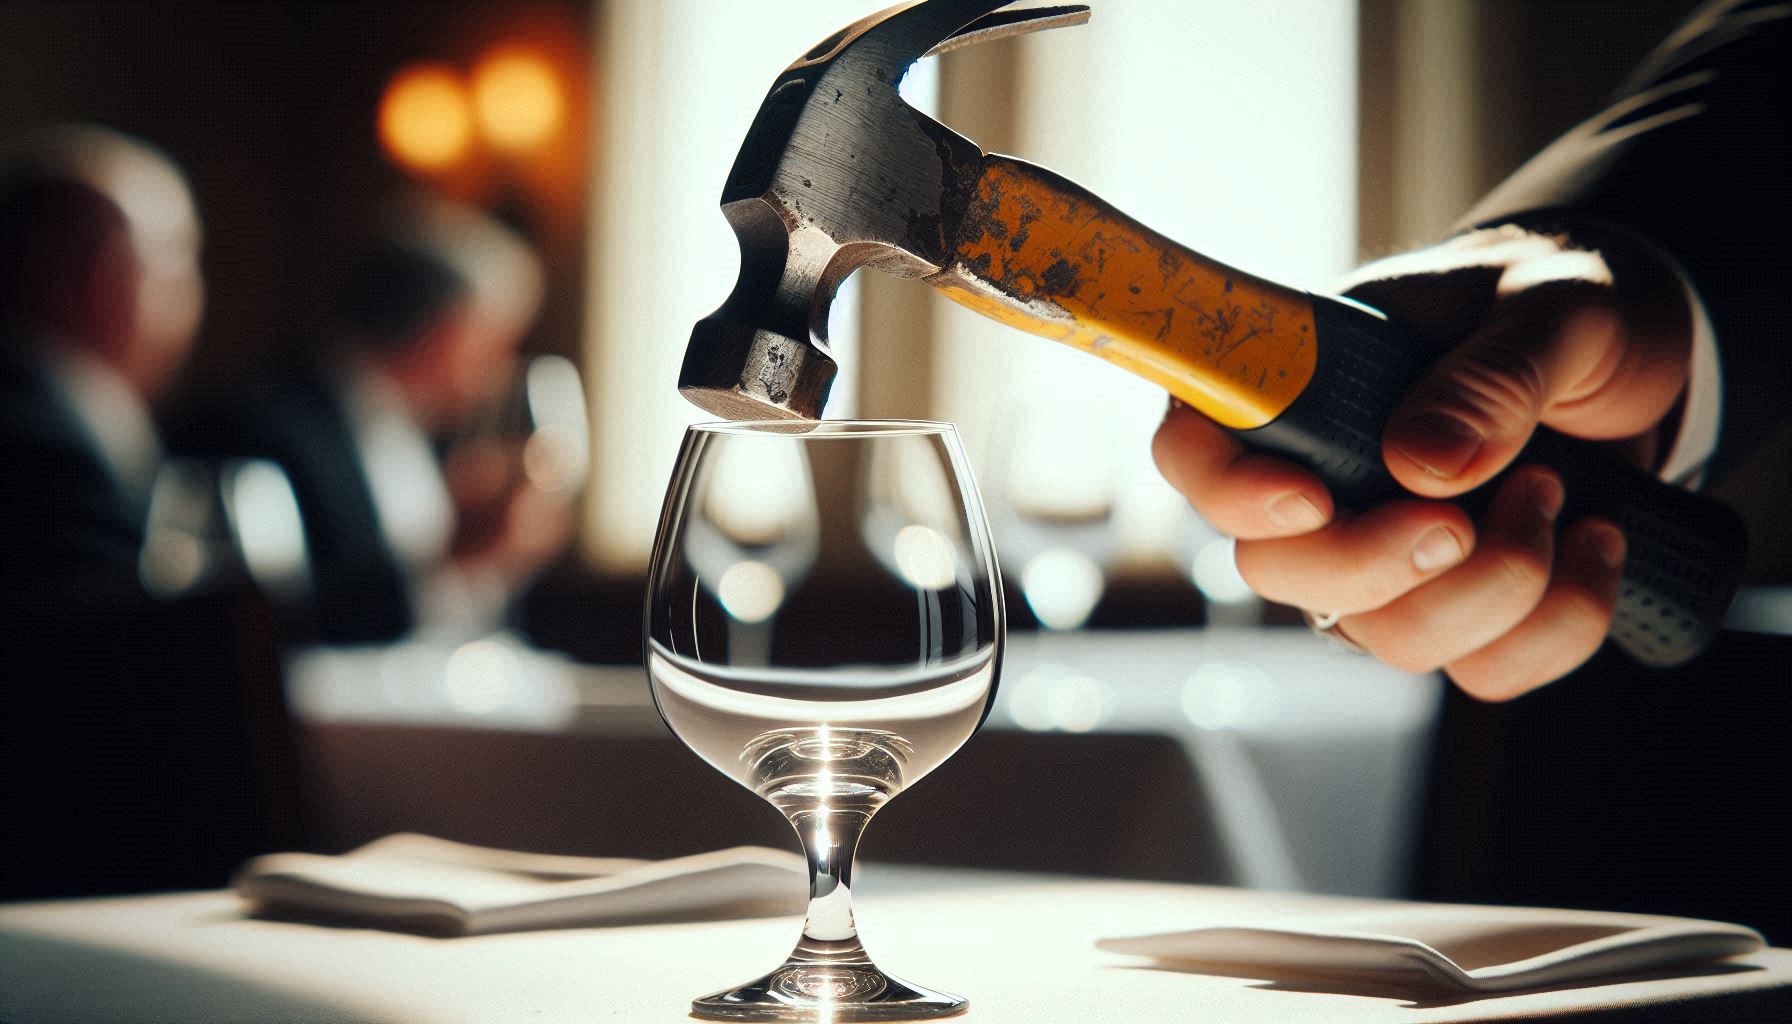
[419, 883]
[1450, 947]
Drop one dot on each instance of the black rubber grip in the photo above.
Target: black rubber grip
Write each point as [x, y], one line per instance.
[1685, 551]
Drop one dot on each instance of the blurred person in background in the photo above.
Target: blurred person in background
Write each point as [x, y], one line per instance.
[1628, 285]
[100, 298]
[409, 524]
[127, 757]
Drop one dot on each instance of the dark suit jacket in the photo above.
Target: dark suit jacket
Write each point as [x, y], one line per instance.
[134, 752]
[65, 521]
[293, 414]
[1619, 787]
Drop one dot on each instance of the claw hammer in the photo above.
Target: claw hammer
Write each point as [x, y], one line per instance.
[837, 172]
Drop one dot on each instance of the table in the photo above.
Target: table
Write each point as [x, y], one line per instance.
[1018, 946]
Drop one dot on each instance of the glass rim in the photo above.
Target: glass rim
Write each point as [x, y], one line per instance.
[808, 429]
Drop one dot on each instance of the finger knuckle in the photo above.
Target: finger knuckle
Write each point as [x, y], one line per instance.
[1500, 383]
[1582, 609]
[1522, 570]
[1361, 580]
[1596, 318]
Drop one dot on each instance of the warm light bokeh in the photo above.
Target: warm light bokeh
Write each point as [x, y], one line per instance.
[424, 120]
[517, 98]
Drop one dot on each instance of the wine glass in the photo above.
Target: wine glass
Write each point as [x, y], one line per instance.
[1056, 493]
[829, 680]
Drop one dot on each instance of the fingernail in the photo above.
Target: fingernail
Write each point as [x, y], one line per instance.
[1294, 511]
[1546, 492]
[1436, 548]
[1439, 443]
[1608, 543]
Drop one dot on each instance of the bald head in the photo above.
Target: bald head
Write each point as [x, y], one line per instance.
[99, 246]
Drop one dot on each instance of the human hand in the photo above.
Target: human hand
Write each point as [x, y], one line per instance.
[1535, 330]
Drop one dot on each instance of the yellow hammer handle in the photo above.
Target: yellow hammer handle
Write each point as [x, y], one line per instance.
[1037, 251]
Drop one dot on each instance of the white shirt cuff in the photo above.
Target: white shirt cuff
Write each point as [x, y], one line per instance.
[1702, 411]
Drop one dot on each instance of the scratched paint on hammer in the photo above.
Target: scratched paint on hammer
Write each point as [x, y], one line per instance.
[1037, 252]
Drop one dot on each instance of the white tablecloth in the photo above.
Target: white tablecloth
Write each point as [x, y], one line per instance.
[1019, 947]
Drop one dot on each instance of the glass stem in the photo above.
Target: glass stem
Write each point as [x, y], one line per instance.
[830, 836]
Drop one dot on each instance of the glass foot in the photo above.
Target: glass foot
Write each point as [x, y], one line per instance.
[828, 994]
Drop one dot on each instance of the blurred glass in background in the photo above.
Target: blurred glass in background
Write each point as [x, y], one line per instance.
[1054, 521]
[216, 525]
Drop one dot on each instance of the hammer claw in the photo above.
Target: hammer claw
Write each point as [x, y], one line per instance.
[1002, 24]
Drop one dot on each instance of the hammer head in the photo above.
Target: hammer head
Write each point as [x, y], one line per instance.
[836, 173]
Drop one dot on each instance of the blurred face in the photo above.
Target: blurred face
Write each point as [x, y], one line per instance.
[480, 361]
[170, 291]
[464, 361]
[150, 282]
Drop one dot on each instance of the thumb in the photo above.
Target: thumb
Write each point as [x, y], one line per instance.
[1470, 414]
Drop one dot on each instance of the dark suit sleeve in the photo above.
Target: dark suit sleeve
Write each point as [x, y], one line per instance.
[1695, 155]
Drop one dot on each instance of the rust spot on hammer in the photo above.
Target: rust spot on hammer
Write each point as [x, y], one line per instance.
[1060, 278]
